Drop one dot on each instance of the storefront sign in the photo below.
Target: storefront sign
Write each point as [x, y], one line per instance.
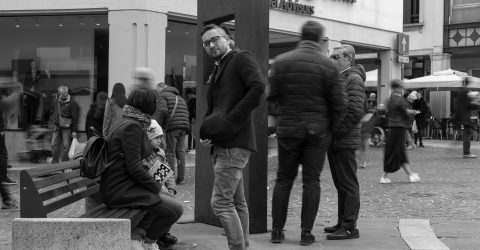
[347, 1]
[403, 59]
[288, 5]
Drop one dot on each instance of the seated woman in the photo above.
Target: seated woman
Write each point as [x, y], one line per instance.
[126, 183]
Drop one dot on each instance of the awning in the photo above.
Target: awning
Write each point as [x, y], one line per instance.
[441, 80]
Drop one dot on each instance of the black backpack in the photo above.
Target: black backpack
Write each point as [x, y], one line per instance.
[95, 154]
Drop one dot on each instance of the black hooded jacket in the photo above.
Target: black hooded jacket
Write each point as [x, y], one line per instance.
[347, 136]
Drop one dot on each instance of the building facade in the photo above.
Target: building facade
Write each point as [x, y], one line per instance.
[91, 45]
[443, 35]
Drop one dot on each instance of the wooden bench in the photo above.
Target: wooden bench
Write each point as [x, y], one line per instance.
[47, 188]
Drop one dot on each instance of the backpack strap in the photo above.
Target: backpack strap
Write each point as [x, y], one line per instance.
[116, 127]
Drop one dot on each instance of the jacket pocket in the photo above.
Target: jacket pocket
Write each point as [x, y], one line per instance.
[217, 127]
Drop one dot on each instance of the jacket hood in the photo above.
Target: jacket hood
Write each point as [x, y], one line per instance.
[357, 69]
[171, 89]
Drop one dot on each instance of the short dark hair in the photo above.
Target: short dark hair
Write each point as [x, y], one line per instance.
[211, 27]
[119, 94]
[312, 30]
[396, 83]
[144, 99]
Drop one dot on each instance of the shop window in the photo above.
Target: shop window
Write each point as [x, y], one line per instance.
[464, 11]
[41, 53]
[411, 13]
[181, 56]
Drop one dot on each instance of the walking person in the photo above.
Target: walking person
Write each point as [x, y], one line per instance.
[95, 115]
[367, 124]
[309, 102]
[7, 200]
[464, 109]
[235, 89]
[113, 108]
[175, 123]
[64, 119]
[399, 114]
[346, 139]
[420, 118]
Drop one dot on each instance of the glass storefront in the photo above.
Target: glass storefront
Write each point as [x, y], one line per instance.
[44, 52]
[181, 56]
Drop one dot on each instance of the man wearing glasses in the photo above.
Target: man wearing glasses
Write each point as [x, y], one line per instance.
[309, 103]
[341, 154]
[235, 89]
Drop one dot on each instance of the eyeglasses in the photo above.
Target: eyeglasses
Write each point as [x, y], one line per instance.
[213, 40]
[335, 56]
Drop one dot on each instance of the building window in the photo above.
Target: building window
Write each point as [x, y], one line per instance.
[464, 11]
[411, 12]
[40, 53]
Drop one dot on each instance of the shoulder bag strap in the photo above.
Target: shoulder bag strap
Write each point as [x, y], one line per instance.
[175, 107]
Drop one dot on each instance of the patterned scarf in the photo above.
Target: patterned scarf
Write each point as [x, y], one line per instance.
[136, 114]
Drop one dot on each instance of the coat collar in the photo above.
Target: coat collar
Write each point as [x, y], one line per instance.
[223, 62]
[309, 45]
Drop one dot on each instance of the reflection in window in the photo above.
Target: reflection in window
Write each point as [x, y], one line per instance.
[43, 52]
[181, 55]
[464, 11]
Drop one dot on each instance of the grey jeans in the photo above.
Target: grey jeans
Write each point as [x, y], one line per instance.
[228, 197]
[63, 134]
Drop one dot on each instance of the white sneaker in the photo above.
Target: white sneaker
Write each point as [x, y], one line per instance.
[150, 246]
[414, 177]
[385, 180]
[136, 245]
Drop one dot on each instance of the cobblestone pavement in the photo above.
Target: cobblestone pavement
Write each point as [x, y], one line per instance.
[448, 190]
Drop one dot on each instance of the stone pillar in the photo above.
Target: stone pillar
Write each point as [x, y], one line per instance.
[390, 69]
[440, 61]
[137, 39]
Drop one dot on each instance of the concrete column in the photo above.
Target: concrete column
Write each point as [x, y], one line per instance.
[137, 39]
[390, 69]
[440, 61]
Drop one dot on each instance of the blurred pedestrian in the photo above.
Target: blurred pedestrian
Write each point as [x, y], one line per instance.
[465, 106]
[309, 101]
[346, 139]
[234, 90]
[113, 107]
[367, 123]
[411, 97]
[95, 115]
[64, 119]
[399, 115]
[420, 118]
[7, 200]
[174, 121]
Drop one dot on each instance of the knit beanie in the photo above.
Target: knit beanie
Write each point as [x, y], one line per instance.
[154, 130]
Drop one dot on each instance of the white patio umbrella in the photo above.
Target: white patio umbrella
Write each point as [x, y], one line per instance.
[441, 80]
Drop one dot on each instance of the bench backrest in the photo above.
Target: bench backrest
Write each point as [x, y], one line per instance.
[48, 187]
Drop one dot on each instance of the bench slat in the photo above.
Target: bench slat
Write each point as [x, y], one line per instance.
[91, 213]
[48, 181]
[71, 199]
[67, 188]
[47, 168]
[113, 213]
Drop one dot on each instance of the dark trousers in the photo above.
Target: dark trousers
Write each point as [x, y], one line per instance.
[161, 217]
[310, 153]
[6, 196]
[344, 173]
[467, 136]
[418, 136]
[175, 152]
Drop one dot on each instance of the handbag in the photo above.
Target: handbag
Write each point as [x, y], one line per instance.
[62, 121]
